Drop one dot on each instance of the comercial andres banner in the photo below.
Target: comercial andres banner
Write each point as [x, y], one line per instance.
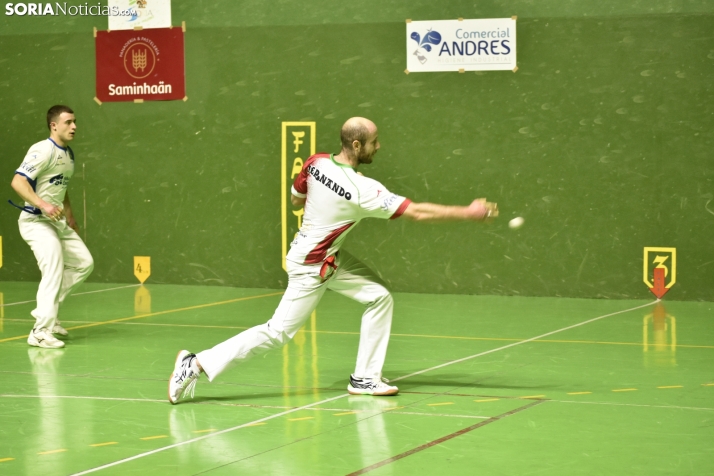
[461, 45]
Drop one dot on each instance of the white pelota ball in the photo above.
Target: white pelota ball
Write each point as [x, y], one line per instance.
[516, 223]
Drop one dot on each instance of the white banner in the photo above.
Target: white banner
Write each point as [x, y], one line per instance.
[461, 45]
[144, 13]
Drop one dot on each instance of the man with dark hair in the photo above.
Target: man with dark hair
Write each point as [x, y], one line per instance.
[336, 197]
[54, 112]
[48, 225]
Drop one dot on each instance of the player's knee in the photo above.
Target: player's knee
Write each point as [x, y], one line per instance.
[389, 300]
[383, 298]
[282, 339]
[89, 266]
[278, 337]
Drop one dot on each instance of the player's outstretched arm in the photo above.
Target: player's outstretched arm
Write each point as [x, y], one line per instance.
[479, 210]
[24, 190]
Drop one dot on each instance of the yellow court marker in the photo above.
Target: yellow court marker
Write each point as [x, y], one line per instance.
[205, 431]
[708, 385]
[487, 400]
[672, 386]
[154, 437]
[257, 424]
[533, 396]
[142, 268]
[625, 390]
[104, 444]
[301, 419]
[345, 413]
[579, 393]
[439, 404]
[392, 408]
[2, 460]
[51, 452]
[190, 308]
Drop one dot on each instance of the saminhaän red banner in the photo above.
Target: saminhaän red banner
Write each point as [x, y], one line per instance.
[144, 64]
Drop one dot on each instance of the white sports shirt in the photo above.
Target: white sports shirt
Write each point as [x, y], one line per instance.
[48, 168]
[337, 199]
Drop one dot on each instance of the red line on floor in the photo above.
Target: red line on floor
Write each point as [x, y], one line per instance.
[443, 438]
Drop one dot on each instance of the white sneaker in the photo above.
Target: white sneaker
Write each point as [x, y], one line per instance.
[43, 338]
[369, 386]
[58, 329]
[185, 376]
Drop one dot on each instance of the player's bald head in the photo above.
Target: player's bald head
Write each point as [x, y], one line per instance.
[356, 129]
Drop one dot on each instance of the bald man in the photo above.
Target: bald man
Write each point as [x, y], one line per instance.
[336, 197]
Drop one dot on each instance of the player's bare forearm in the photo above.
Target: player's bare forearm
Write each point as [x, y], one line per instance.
[24, 190]
[479, 210]
[434, 212]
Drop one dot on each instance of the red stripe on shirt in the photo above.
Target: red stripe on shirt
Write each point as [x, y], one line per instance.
[300, 182]
[401, 209]
[319, 253]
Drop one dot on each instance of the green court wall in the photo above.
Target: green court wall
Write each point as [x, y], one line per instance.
[602, 140]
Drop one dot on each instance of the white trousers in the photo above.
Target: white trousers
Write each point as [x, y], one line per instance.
[63, 259]
[305, 289]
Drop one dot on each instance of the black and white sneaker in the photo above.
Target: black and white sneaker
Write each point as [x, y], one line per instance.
[183, 379]
[369, 386]
[43, 338]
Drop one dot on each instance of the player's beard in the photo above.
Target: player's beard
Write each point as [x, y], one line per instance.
[365, 158]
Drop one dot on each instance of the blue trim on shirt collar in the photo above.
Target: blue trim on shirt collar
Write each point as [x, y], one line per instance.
[55, 143]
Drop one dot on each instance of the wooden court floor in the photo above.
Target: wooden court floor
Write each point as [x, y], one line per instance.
[489, 385]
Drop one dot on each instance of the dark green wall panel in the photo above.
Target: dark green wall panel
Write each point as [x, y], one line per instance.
[602, 141]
